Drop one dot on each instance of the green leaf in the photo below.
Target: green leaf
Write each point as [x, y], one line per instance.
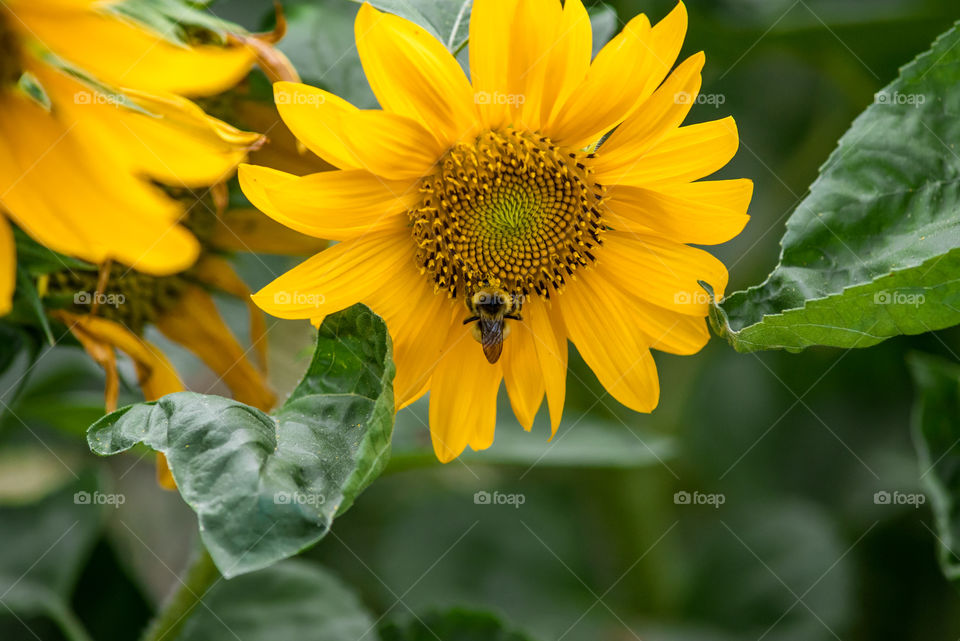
[874, 250]
[266, 487]
[176, 20]
[43, 548]
[456, 625]
[936, 431]
[292, 600]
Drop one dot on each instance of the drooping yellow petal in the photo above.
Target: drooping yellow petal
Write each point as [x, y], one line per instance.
[701, 213]
[663, 272]
[251, 231]
[611, 341]
[414, 75]
[463, 397]
[196, 324]
[69, 198]
[218, 273]
[551, 342]
[660, 114]
[686, 154]
[521, 372]
[334, 204]
[8, 266]
[156, 375]
[123, 53]
[336, 278]
[161, 136]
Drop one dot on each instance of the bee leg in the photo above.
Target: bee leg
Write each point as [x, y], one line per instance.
[516, 317]
[472, 319]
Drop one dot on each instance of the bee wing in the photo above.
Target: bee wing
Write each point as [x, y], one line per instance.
[491, 338]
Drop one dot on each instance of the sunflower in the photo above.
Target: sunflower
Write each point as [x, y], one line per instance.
[550, 198]
[92, 117]
[108, 311]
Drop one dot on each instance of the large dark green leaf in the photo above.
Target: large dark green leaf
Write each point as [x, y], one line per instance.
[266, 487]
[43, 548]
[453, 625]
[874, 250]
[292, 600]
[936, 428]
[446, 20]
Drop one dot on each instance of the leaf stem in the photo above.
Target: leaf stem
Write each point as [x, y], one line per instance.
[200, 576]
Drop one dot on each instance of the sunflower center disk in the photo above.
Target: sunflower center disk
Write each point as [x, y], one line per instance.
[10, 67]
[509, 210]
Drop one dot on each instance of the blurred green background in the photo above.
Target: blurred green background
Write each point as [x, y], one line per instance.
[796, 445]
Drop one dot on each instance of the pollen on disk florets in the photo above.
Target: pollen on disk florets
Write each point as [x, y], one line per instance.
[511, 209]
[10, 64]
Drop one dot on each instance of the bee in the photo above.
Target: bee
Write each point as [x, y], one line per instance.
[490, 307]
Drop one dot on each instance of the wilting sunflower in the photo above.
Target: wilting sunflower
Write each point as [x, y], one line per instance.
[505, 210]
[92, 117]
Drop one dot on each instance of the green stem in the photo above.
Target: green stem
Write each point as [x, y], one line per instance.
[200, 577]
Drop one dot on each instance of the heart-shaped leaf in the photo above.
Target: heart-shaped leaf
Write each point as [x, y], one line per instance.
[874, 250]
[266, 487]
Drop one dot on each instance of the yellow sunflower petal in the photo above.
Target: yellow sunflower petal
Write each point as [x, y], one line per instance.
[172, 140]
[568, 58]
[87, 215]
[389, 145]
[196, 324]
[414, 75]
[521, 372]
[314, 117]
[489, 59]
[338, 277]
[686, 154]
[666, 39]
[533, 37]
[701, 213]
[417, 345]
[618, 73]
[665, 330]
[463, 397]
[8, 266]
[123, 53]
[551, 343]
[335, 204]
[251, 231]
[656, 117]
[662, 272]
[611, 341]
